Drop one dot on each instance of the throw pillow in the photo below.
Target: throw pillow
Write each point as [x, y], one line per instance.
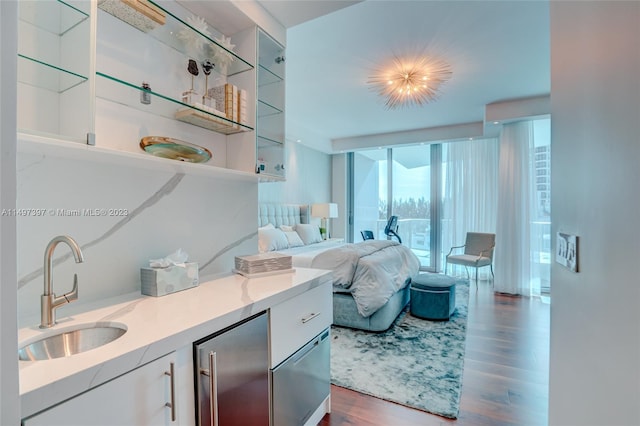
[309, 234]
[294, 239]
[271, 239]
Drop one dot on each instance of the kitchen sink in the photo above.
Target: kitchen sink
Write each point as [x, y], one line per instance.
[71, 341]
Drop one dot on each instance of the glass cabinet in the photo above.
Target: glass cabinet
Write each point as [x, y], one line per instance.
[270, 127]
[55, 41]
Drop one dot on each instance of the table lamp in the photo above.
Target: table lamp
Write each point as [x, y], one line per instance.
[324, 211]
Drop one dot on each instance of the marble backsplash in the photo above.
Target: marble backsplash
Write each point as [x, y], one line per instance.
[121, 217]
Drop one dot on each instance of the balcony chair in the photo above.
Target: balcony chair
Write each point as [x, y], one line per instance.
[478, 252]
[367, 235]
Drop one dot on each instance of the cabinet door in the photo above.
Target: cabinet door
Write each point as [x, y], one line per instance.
[270, 126]
[139, 397]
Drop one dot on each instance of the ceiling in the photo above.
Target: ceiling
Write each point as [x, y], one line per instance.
[498, 50]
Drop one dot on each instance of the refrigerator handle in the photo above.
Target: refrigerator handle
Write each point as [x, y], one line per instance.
[213, 387]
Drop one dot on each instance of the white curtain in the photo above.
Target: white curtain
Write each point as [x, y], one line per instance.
[512, 263]
[470, 194]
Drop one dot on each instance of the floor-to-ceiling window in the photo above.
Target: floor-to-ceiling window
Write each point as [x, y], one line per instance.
[442, 191]
[541, 208]
[398, 182]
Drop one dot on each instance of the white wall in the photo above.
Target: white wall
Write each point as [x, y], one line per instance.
[9, 401]
[211, 219]
[308, 178]
[595, 108]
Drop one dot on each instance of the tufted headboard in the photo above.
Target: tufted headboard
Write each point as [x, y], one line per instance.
[282, 214]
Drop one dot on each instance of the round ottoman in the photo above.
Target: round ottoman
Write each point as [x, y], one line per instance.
[433, 296]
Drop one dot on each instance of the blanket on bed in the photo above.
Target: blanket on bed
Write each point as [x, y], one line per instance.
[372, 271]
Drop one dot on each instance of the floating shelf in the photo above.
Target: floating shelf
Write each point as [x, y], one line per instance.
[125, 93]
[46, 76]
[170, 32]
[54, 16]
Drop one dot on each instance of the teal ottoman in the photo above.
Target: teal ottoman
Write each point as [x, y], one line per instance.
[433, 296]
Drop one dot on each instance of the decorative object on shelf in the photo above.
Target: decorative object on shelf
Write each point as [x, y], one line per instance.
[222, 56]
[193, 40]
[140, 14]
[324, 211]
[191, 96]
[279, 59]
[411, 81]
[207, 100]
[175, 149]
[145, 93]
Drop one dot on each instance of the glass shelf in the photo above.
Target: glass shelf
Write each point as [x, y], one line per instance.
[267, 77]
[125, 93]
[265, 109]
[264, 141]
[170, 32]
[56, 17]
[46, 76]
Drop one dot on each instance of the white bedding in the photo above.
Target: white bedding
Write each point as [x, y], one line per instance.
[372, 271]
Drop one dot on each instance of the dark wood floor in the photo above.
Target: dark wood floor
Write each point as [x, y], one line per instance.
[505, 380]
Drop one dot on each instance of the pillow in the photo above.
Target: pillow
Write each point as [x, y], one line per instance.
[309, 234]
[271, 239]
[267, 226]
[286, 228]
[293, 238]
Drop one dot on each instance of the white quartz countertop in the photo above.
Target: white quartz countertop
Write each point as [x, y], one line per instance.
[155, 326]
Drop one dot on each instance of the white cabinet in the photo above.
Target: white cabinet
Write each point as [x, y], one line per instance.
[54, 69]
[300, 357]
[296, 321]
[90, 77]
[144, 396]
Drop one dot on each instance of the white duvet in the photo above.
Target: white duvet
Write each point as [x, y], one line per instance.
[372, 271]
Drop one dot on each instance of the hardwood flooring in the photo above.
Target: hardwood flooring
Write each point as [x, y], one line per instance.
[505, 379]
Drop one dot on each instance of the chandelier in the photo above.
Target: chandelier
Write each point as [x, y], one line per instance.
[410, 81]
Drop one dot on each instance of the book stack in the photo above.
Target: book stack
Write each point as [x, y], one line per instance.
[262, 264]
[234, 101]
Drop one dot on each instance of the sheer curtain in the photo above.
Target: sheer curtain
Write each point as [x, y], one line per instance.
[470, 195]
[512, 263]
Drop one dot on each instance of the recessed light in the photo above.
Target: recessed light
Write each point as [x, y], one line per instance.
[496, 122]
[470, 139]
[299, 140]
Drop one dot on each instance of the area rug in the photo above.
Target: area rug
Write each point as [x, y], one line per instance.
[417, 363]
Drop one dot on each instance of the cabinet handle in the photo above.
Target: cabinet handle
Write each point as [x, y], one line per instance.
[172, 404]
[213, 387]
[310, 317]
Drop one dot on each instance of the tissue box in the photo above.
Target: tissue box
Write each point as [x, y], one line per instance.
[162, 281]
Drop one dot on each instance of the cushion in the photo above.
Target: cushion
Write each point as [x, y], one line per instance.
[293, 238]
[433, 282]
[267, 226]
[271, 239]
[286, 228]
[309, 234]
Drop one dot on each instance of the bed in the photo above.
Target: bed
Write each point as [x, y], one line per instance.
[370, 278]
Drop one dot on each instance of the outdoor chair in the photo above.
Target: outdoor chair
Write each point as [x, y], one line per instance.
[367, 235]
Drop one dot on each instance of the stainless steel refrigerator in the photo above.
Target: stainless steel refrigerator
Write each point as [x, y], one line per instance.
[232, 375]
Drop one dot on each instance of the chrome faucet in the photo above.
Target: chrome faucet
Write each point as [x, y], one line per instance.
[49, 302]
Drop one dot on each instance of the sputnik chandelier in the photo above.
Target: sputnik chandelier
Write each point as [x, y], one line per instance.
[410, 81]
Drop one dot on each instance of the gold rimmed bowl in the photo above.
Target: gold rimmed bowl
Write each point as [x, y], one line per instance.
[175, 149]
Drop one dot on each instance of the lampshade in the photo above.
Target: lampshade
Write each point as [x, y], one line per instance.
[325, 210]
